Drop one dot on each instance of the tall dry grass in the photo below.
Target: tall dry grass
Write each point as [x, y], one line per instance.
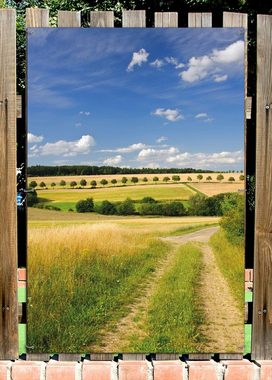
[82, 278]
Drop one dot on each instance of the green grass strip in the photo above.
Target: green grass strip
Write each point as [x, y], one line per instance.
[174, 316]
[230, 260]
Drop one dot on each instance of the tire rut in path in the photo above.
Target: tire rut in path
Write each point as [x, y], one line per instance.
[119, 339]
[224, 325]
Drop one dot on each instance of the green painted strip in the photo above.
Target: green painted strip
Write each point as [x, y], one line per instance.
[21, 294]
[22, 338]
[247, 339]
[248, 296]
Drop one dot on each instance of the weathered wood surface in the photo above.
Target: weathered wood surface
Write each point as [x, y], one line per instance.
[37, 18]
[8, 208]
[133, 19]
[69, 19]
[248, 107]
[200, 20]
[19, 106]
[102, 19]
[262, 305]
[166, 19]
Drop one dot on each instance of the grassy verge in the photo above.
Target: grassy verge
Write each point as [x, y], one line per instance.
[188, 229]
[194, 189]
[173, 315]
[230, 259]
[81, 278]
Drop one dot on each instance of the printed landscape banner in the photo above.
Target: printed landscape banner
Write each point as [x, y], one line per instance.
[136, 214]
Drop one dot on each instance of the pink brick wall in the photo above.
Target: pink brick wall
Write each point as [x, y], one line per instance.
[136, 370]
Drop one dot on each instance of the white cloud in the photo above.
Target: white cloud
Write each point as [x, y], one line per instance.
[128, 149]
[85, 113]
[231, 54]
[173, 157]
[78, 125]
[199, 115]
[199, 68]
[174, 61]
[206, 159]
[113, 160]
[157, 63]
[208, 120]
[220, 78]
[161, 139]
[153, 154]
[169, 114]
[31, 138]
[67, 148]
[137, 59]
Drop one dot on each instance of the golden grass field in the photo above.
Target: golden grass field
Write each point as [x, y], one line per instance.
[211, 189]
[118, 177]
[47, 218]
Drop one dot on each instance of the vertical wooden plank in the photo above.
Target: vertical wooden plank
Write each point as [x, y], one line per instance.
[200, 20]
[8, 208]
[133, 19]
[102, 19]
[37, 18]
[70, 19]
[19, 106]
[166, 19]
[262, 296]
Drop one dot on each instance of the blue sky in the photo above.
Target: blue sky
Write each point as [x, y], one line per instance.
[136, 97]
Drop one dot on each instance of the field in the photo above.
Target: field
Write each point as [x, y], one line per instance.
[118, 177]
[113, 283]
[211, 189]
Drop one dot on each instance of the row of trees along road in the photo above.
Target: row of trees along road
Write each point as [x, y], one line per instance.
[124, 180]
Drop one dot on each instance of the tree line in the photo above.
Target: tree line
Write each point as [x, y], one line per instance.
[47, 171]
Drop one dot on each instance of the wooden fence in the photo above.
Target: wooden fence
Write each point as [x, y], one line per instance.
[10, 109]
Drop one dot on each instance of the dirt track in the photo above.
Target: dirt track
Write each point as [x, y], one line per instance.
[223, 327]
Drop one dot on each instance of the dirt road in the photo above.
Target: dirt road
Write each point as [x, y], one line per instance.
[223, 327]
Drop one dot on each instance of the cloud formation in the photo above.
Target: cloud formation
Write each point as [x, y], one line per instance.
[168, 113]
[158, 63]
[111, 161]
[200, 115]
[199, 68]
[138, 58]
[161, 139]
[31, 138]
[65, 148]
[220, 78]
[129, 149]
[173, 157]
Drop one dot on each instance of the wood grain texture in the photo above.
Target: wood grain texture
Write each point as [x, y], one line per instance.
[37, 18]
[102, 19]
[262, 305]
[69, 19]
[166, 19]
[8, 208]
[200, 20]
[248, 107]
[19, 106]
[133, 19]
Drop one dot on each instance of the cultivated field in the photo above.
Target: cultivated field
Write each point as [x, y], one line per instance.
[92, 274]
[118, 177]
[211, 189]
